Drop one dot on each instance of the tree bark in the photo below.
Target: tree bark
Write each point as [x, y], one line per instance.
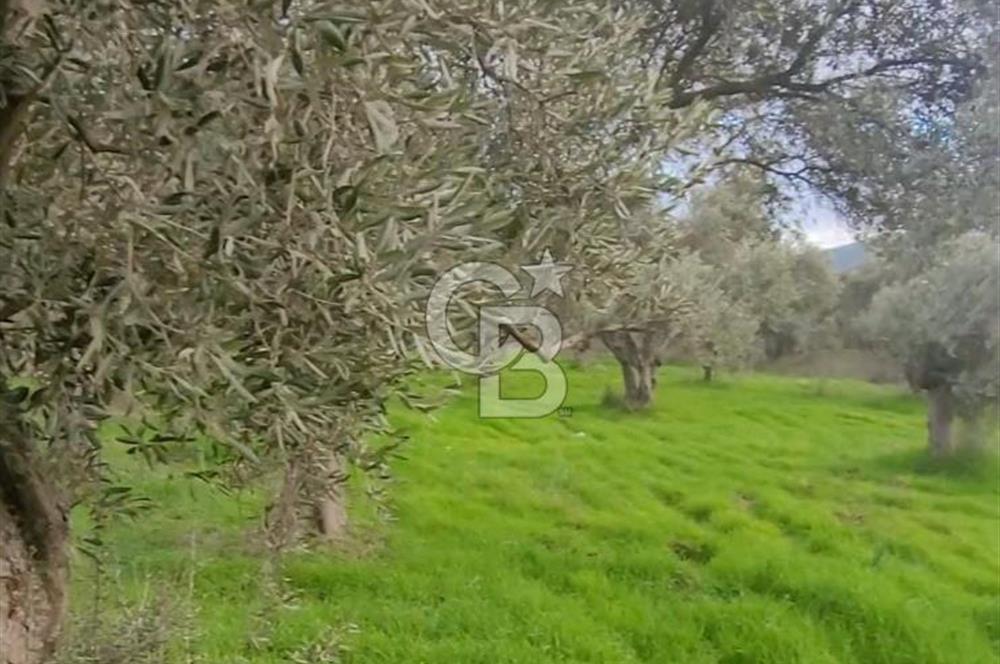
[634, 352]
[940, 416]
[34, 572]
[331, 505]
[707, 372]
[312, 502]
[638, 385]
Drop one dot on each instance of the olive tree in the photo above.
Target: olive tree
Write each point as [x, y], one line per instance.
[788, 287]
[791, 76]
[673, 301]
[719, 283]
[943, 325]
[220, 221]
[217, 223]
[822, 96]
[577, 151]
[938, 312]
[717, 330]
[726, 214]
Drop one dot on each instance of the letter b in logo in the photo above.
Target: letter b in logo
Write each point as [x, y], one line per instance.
[496, 353]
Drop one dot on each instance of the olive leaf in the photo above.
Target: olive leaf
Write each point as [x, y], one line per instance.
[382, 124]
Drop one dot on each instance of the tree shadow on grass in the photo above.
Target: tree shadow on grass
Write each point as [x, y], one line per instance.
[717, 384]
[968, 471]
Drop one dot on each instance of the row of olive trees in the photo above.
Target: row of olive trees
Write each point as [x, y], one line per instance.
[784, 293]
[720, 285]
[781, 80]
[219, 219]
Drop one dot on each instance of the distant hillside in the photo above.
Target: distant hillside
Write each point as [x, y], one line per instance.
[848, 257]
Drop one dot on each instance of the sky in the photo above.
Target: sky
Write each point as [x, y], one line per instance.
[808, 212]
[821, 224]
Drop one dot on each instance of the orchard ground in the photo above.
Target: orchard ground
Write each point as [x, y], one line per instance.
[757, 519]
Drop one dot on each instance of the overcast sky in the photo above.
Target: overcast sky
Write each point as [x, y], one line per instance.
[821, 224]
[808, 212]
[817, 221]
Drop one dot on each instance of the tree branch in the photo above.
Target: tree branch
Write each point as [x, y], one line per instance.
[770, 167]
[781, 83]
[707, 29]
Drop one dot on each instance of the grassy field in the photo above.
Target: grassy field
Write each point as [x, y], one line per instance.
[758, 519]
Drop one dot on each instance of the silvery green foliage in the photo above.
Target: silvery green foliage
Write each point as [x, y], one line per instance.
[219, 222]
[720, 282]
[727, 214]
[900, 165]
[950, 184]
[944, 323]
[937, 313]
[717, 329]
[817, 93]
[789, 289]
[223, 217]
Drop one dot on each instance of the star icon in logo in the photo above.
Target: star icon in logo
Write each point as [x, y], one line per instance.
[547, 275]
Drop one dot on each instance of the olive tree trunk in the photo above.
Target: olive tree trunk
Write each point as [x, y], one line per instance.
[34, 574]
[331, 505]
[312, 500]
[940, 417]
[636, 355]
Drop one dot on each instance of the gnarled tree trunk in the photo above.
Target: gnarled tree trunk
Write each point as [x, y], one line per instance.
[312, 501]
[331, 504]
[940, 416]
[636, 354]
[638, 384]
[931, 370]
[33, 556]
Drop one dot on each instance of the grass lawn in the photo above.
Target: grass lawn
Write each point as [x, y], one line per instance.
[757, 519]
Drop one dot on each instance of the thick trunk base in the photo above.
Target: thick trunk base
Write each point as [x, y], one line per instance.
[640, 383]
[311, 503]
[636, 353]
[31, 608]
[331, 505]
[18, 589]
[331, 518]
[940, 417]
[34, 537]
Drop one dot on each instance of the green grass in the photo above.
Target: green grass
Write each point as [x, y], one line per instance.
[758, 519]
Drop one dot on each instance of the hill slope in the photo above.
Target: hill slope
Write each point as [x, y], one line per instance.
[754, 520]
